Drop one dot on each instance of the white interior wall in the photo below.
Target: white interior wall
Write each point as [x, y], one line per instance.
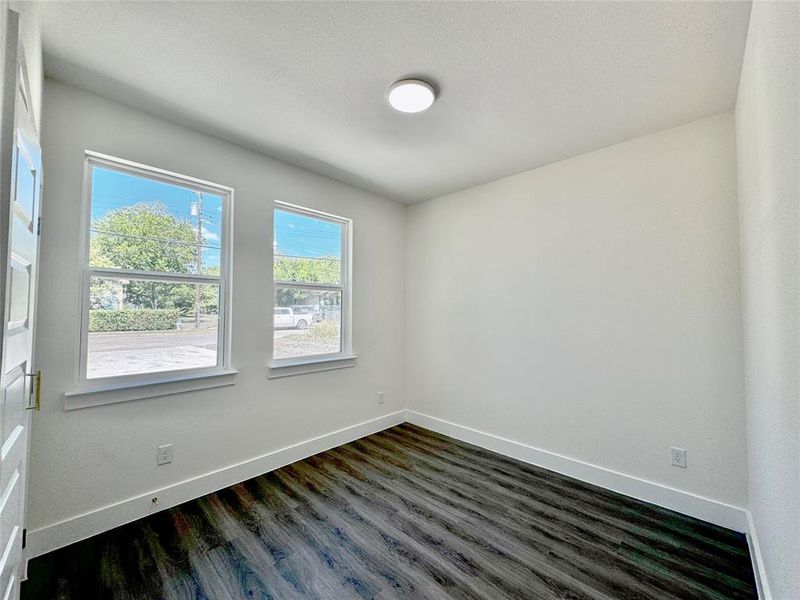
[591, 308]
[768, 131]
[631, 352]
[86, 459]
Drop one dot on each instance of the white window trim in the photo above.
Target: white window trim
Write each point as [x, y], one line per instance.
[105, 390]
[286, 367]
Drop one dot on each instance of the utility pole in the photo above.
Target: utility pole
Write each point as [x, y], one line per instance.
[198, 210]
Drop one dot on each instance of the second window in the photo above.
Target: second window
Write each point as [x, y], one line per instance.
[311, 278]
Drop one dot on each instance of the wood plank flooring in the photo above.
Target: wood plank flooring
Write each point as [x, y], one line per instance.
[404, 513]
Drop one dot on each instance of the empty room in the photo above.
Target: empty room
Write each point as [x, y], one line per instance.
[351, 300]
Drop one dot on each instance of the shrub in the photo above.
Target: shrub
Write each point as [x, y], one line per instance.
[326, 330]
[140, 319]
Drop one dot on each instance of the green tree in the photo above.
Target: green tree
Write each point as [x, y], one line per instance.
[327, 269]
[209, 295]
[145, 237]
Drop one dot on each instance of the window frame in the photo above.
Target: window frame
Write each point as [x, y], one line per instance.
[86, 385]
[282, 367]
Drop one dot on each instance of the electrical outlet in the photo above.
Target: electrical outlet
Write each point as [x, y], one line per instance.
[381, 397]
[678, 457]
[164, 454]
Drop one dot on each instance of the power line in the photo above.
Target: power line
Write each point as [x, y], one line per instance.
[152, 239]
[325, 258]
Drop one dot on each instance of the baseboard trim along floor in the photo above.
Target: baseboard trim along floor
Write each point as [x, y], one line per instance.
[712, 511]
[759, 572]
[664, 496]
[58, 535]
[63, 533]
[404, 513]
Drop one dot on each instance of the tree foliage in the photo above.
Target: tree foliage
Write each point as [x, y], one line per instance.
[147, 237]
[144, 237]
[326, 269]
[141, 319]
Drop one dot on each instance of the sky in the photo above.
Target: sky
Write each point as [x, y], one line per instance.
[113, 190]
[295, 235]
[299, 235]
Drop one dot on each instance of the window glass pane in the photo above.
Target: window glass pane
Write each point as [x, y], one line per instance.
[147, 225]
[311, 323]
[307, 250]
[26, 185]
[148, 326]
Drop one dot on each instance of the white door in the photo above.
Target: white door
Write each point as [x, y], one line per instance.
[19, 385]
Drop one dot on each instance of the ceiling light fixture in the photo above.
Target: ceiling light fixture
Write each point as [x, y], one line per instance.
[411, 95]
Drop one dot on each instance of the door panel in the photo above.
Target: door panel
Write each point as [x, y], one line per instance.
[24, 241]
[16, 365]
[14, 413]
[10, 564]
[20, 279]
[10, 501]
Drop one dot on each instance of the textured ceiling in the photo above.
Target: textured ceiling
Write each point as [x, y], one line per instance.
[521, 84]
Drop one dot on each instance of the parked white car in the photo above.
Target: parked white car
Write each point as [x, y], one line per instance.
[286, 318]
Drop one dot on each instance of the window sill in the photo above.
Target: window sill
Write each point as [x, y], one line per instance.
[301, 366]
[112, 393]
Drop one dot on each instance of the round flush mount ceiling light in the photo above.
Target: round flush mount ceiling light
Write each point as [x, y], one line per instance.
[411, 95]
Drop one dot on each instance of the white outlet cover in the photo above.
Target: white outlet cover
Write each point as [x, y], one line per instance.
[164, 454]
[678, 457]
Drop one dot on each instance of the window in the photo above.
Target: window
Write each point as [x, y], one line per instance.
[155, 285]
[311, 274]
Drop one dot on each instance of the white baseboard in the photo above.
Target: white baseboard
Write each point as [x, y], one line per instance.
[757, 559]
[63, 533]
[699, 507]
[52, 537]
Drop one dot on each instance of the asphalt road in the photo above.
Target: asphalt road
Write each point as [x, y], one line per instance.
[133, 340]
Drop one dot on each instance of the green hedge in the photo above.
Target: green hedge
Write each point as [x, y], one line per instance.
[141, 319]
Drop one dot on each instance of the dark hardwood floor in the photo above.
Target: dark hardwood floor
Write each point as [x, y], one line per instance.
[404, 513]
